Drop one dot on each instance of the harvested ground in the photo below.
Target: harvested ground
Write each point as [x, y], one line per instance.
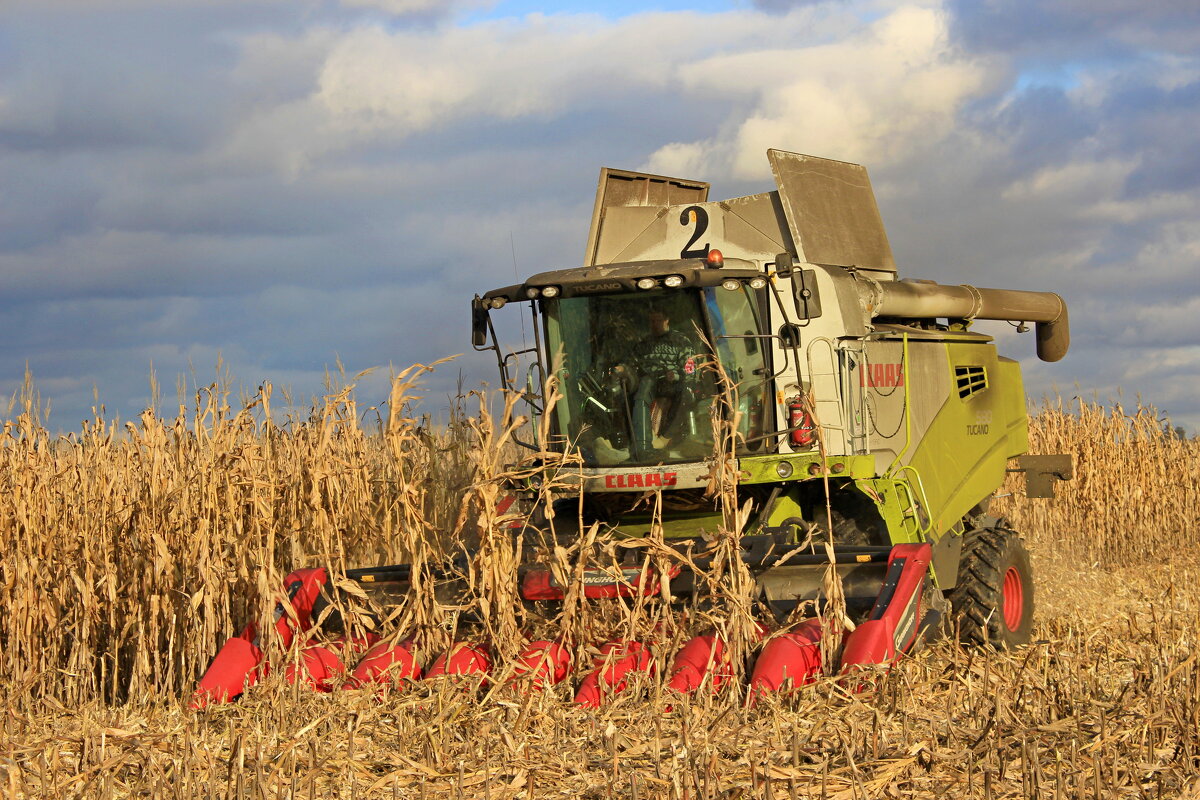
[1105, 703]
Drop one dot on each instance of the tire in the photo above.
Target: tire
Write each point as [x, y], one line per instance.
[856, 519]
[993, 601]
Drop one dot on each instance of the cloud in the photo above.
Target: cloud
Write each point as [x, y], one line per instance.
[1110, 26]
[378, 83]
[783, 6]
[430, 9]
[874, 96]
[287, 183]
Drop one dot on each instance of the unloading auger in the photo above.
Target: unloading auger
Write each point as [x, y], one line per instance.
[863, 407]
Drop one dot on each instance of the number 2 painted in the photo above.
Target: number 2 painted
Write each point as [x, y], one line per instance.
[700, 217]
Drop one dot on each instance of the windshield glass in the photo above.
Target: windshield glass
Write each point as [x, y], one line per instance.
[637, 378]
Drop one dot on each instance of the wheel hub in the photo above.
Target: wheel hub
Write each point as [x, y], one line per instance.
[1014, 599]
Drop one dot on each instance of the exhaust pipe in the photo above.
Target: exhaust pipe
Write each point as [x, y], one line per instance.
[920, 300]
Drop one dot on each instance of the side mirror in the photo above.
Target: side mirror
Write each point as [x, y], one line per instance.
[479, 322]
[784, 264]
[804, 288]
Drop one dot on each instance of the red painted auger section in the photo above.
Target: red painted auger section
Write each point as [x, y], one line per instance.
[616, 661]
[872, 642]
[386, 664]
[700, 656]
[705, 655]
[794, 656]
[319, 667]
[463, 658]
[539, 584]
[302, 588]
[237, 663]
[548, 662]
[234, 669]
[895, 620]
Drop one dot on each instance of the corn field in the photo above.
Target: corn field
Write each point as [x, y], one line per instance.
[129, 554]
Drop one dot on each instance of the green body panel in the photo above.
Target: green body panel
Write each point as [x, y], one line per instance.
[962, 457]
[955, 462]
[784, 509]
[678, 525]
[765, 469]
[897, 505]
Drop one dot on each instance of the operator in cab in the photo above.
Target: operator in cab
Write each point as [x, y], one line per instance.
[666, 364]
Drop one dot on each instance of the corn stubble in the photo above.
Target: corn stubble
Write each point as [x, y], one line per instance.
[131, 553]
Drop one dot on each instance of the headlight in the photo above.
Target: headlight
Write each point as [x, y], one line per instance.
[646, 283]
[532, 292]
[758, 283]
[673, 281]
[550, 291]
[498, 302]
[731, 284]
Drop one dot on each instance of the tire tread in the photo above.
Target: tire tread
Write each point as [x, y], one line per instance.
[977, 600]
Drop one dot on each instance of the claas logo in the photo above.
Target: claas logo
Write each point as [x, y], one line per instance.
[647, 480]
[881, 376]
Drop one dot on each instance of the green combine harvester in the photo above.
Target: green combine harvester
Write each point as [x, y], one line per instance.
[863, 410]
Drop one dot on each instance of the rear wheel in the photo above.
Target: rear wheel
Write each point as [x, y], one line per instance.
[993, 601]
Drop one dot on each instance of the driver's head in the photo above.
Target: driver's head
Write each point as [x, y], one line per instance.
[659, 322]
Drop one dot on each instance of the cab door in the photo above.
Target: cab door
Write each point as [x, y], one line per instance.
[735, 318]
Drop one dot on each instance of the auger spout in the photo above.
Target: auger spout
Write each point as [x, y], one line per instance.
[923, 300]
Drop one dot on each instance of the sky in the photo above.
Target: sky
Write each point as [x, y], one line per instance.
[272, 189]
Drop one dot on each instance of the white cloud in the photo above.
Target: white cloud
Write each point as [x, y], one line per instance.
[1080, 180]
[875, 96]
[847, 89]
[379, 84]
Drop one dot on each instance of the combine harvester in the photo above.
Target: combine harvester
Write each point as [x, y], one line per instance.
[864, 406]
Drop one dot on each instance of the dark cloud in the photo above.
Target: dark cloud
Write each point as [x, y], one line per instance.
[174, 185]
[1060, 30]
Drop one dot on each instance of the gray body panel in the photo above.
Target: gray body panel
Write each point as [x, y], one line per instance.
[831, 211]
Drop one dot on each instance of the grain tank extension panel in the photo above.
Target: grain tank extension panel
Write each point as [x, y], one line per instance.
[831, 211]
[622, 189]
[823, 211]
